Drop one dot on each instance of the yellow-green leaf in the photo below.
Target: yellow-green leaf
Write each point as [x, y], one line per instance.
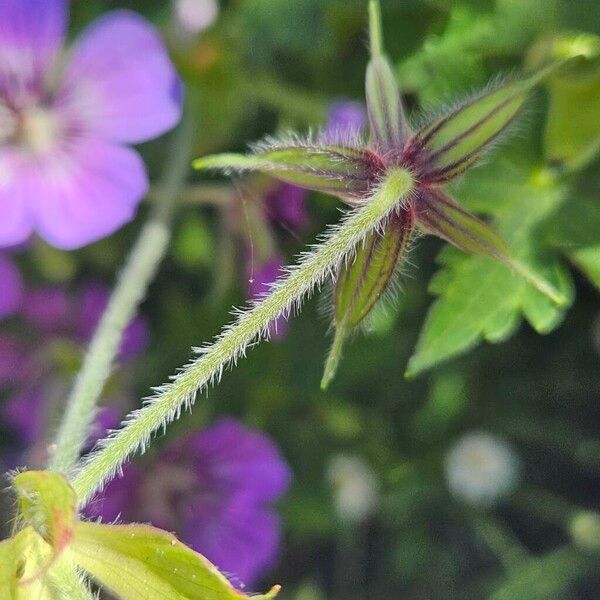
[140, 562]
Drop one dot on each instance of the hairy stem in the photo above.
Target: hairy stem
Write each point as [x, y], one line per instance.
[139, 271]
[250, 326]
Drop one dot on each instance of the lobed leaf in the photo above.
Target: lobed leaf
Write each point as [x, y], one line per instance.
[343, 171]
[479, 299]
[140, 562]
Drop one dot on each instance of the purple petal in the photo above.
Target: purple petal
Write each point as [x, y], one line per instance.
[346, 120]
[120, 84]
[31, 33]
[48, 308]
[118, 499]
[14, 361]
[11, 287]
[286, 204]
[233, 457]
[240, 538]
[85, 194]
[16, 223]
[93, 303]
[23, 412]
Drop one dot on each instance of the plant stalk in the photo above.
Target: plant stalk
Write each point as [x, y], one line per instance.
[139, 271]
[250, 326]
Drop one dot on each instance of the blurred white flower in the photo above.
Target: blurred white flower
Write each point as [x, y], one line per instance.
[481, 469]
[355, 487]
[194, 16]
[585, 530]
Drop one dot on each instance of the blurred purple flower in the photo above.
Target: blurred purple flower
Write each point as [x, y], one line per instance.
[259, 284]
[346, 120]
[11, 287]
[66, 171]
[214, 488]
[28, 370]
[286, 204]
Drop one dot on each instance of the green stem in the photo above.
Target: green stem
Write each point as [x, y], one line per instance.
[251, 325]
[375, 29]
[139, 271]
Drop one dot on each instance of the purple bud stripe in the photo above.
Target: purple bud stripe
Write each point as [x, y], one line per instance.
[444, 121]
[434, 219]
[477, 125]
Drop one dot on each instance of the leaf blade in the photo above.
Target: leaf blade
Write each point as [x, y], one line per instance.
[140, 562]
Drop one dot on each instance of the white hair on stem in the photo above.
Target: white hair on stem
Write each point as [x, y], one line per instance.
[250, 326]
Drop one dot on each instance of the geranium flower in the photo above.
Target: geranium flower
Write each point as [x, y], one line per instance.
[66, 172]
[214, 488]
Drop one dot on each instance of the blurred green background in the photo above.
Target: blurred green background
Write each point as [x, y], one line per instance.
[269, 65]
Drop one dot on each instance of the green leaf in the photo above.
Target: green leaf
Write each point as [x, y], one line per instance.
[8, 568]
[545, 578]
[575, 231]
[588, 261]
[140, 562]
[342, 171]
[481, 299]
[47, 502]
[573, 125]
[456, 140]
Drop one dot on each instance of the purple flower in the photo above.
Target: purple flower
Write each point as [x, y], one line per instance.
[31, 370]
[66, 172]
[286, 204]
[11, 287]
[346, 121]
[214, 488]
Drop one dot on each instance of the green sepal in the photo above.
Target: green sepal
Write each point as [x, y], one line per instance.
[456, 140]
[438, 214]
[140, 562]
[48, 504]
[362, 283]
[384, 106]
[343, 171]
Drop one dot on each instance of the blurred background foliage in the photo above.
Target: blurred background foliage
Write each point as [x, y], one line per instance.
[268, 65]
